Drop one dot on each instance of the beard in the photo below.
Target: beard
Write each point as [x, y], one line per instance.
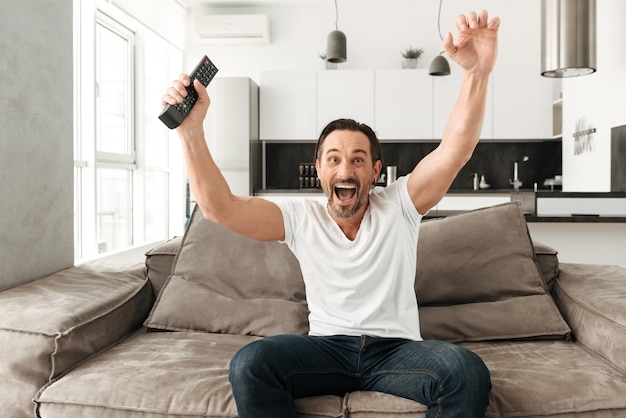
[345, 211]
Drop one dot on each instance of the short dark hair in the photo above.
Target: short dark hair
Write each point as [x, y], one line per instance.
[350, 125]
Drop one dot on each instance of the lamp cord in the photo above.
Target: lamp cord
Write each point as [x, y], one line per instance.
[337, 16]
[438, 19]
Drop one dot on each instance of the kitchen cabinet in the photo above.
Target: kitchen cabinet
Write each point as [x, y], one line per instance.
[445, 94]
[522, 103]
[565, 204]
[299, 196]
[522, 106]
[579, 242]
[288, 105]
[345, 94]
[459, 202]
[404, 104]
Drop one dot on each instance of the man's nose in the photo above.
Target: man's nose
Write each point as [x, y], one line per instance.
[344, 170]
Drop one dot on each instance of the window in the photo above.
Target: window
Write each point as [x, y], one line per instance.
[129, 183]
[115, 139]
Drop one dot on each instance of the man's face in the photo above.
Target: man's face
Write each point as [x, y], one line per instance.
[346, 171]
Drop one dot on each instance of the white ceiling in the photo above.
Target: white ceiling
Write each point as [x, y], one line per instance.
[226, 3]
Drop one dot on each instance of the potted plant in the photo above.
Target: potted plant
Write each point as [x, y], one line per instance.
[410, 56]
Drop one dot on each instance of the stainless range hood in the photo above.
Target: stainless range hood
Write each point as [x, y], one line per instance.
[568, 35]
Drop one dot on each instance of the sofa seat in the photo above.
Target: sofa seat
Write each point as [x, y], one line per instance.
[558, 378]
[173, 374]
[159, 374]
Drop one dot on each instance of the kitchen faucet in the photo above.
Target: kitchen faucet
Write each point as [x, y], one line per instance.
[516, 182]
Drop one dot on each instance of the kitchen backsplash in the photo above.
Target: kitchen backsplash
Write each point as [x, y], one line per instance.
[494, 160]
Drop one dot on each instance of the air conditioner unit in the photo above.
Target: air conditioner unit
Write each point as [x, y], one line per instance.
[233, 29]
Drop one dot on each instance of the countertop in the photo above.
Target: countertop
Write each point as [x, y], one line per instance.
[530, 217]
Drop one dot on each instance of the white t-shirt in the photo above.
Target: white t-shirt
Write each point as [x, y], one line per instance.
[365, 286]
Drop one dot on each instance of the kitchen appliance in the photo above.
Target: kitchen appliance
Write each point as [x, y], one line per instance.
[232, 132]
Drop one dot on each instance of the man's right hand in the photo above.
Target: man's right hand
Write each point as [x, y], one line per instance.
[177, 92]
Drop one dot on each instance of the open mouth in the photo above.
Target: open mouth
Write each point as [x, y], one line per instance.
[345, 191]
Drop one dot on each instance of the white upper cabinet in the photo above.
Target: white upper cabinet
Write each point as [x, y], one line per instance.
[522, 97]
[288, 105]
[446, 92]
[404, 104]
[345, 94]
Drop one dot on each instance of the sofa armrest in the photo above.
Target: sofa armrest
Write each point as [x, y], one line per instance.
[50, 325]
[159, 262]
[592, 299]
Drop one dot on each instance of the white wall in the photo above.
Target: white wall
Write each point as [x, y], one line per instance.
[377, 32]
[600, 98]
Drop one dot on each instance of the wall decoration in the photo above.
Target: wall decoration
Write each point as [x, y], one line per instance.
[618, 159]
[583, 137]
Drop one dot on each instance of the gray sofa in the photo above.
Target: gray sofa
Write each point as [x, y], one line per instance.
[153, 338]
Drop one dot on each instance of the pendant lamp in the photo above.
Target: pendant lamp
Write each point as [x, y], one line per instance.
[439, 65]
[568, 38]
[336, 48]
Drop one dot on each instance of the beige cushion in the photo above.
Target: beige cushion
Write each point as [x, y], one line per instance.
[160, 374]
[550, 379]
[50, 325]
[224, 282]
[477, 279]
[593, 300]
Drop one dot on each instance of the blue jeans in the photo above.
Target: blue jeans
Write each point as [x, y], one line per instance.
[266, 375]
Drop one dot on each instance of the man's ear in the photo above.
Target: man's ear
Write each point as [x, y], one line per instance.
[378, 166]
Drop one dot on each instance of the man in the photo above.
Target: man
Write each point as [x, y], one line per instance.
[358, 257]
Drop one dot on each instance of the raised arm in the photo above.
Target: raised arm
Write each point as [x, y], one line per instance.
[253, 217]
[475, 51]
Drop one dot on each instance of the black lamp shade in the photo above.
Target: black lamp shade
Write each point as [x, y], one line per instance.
[336, 47]
[439, 66]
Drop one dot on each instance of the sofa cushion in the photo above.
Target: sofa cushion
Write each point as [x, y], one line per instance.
[224, 282]
[477, 279]
[159, 261]
[379, 405]
[550, 378]
[160, 374]
[592, 298]
[49, 325]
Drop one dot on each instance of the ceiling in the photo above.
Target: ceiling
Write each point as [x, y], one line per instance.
[226, 3]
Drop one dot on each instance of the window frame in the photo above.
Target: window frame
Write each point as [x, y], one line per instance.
[87, 159]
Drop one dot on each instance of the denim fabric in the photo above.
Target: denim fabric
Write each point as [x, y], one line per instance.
[267, 374]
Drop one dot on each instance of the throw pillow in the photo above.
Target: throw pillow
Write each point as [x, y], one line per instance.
[477, 279]
[223, 282]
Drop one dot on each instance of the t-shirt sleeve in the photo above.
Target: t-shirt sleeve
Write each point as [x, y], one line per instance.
[398, 191]
[288, 210]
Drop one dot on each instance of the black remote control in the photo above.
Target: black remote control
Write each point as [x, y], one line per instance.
[172, 116]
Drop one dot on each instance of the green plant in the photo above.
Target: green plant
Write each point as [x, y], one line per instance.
[412, 52]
